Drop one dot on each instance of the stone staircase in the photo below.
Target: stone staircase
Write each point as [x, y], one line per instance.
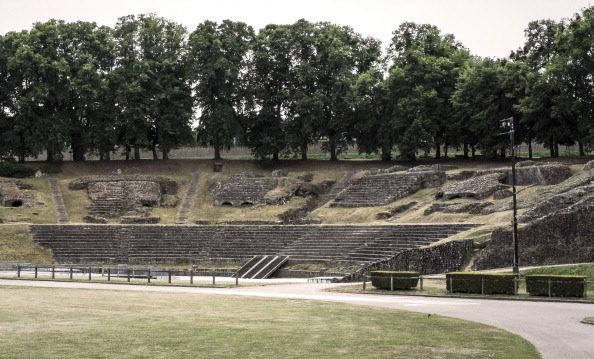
[58, 200]
[111, 203]
[234, 243]
[377, 190]
[187, 202]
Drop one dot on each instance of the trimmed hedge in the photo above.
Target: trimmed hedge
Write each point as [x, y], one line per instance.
[561, 285]
[381, 279]
[10, 169]
[473, 282]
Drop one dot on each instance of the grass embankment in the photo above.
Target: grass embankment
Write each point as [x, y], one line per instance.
[43, 212]
[583, 269]
[16, 246]
[57, 323]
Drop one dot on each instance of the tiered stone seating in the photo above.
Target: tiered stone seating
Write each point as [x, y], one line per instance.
[377, 190]
[243, 189]
[111, 202]
[236, 243]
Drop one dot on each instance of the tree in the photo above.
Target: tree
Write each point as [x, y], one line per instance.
[217, 57]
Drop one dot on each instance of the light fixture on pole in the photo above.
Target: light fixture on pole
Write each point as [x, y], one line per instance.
[508, 123]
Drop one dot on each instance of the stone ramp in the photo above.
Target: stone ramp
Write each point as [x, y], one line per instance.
[188, 201]
[58, 200]
[234, 243]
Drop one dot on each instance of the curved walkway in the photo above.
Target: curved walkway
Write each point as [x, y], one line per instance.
[553, 327]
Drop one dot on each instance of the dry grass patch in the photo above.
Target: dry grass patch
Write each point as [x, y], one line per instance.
[39, 213]
[16, 246]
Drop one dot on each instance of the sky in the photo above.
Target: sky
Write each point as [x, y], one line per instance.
[490, 28]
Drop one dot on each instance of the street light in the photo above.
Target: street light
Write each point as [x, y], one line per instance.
[508, 123]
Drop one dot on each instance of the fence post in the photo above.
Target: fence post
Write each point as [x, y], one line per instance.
[169, 276]
[213, 278]
[585, 288]
[392, 283]
[549, 287]
[451, 285]
[148, 275]
[128, 273]
[108, 274]
[90, 269]
[192, 276]
[18, 270]
[364, 281]
[70, 273]
[421, 282]
[482, 285]
[516, 285]
[53, 272]
[35, 272]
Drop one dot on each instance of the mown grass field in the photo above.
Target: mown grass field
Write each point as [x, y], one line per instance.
[60, 323]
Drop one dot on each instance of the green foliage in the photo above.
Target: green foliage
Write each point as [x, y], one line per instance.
[401, 280]
[10, 169]
[480, 283]
[560, 285]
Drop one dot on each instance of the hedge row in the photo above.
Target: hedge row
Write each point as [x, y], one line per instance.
[10, 169]
[480, 283]
[556, 285]
[401, 280]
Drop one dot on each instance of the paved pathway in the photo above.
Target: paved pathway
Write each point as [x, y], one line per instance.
[58, 200]
[554, 328]
[188, 201]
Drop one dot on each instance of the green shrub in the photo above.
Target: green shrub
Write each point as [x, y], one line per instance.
[10, 169]
[480, 283]
[402, 280]
[561, 285]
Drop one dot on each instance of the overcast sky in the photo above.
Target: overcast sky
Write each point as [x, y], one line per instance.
[486, 27]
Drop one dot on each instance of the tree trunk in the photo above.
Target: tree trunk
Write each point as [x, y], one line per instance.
[154, 151]
[275, 155]
[465, 150]
[136, 152]
[581, 148]
[473, 149]
[332, 144]
[530, 150]
[304, 151]
[50, 155]
[165, 153]
[445, 150]
[556, 149]
[552, 149]
[437, 150]
[386, 152]
[78, 152]
[217, 152]
[502, 153]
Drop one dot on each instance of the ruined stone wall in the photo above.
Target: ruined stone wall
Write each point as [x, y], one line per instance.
[562, 237]
[450, 256]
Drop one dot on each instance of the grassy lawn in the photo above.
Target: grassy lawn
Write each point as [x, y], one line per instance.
[584, 269]
[58, 323]
[16, 246]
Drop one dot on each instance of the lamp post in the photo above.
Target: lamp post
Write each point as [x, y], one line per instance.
[508, 123]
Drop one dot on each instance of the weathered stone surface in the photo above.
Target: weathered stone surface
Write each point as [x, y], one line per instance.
[565, 236]
[589, 166]
[472, 208]
[462, 175]
[168, 186]
[133, 193]
[140, 220]
[307, 177]
[94, 219]
[529, 174]
[479, 187]
[501, 194]
[548, 205]
[280, 173]
[244, 188]
[392, 169]
[14, 193]
[447, 257]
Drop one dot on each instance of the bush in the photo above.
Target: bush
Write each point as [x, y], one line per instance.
[10, 169]
[402, 280]
[561, 285]
[480, 283]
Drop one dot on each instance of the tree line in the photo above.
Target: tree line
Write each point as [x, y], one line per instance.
[147, 83]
